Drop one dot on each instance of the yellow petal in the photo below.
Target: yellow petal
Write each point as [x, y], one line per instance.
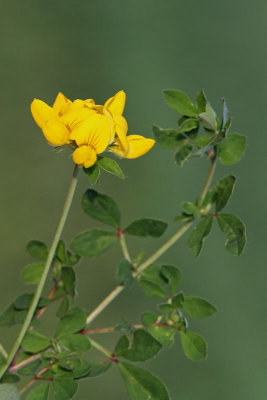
[56, 132]
[84, 156]
[60, 102]
[116, 103]
[94, 132]
[76, 117]
[121, 128]
[138, 146]
[41, 112]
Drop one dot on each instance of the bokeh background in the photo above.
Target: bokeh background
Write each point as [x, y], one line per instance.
[93, 49]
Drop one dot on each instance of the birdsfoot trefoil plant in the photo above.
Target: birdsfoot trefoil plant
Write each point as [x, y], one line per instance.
[37, 365]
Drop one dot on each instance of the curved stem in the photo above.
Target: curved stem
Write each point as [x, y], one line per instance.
[208, 180]
[124, 247]
[100, 348]
[48, 263]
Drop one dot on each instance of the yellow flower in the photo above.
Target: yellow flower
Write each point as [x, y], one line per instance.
[88, 128]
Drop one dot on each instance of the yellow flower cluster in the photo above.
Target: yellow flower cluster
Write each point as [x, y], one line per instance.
[88, 128]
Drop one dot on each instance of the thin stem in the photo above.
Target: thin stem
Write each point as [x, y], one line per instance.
[23, 363]
[3, 351]
[48, 263]
[113, 329]
[124, 247]
[100, 348]
[208, 179]
[33, 380]
[115, 292]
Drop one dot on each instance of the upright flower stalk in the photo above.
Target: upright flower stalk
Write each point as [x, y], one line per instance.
[40, 286]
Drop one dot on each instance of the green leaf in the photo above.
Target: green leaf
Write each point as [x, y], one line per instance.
[223, 191]
[141, 384]
[183, 153]
[163, 334]
[101, 207]
[31, 368]
[151, 282]
[8, 316]
[40, 392]
[166, 138]
[93, 173]
[197, 307]
[208, 118]
[73, 368]
[124, 273]
[232, 149]
[111, 166]
[75, 342]
[191, 209]
[72, 322]
[180, 102]
[203, 141]
[144, 346]
[194, 345]
[198, 234]
[34, 342]
[172, 275]
[188, 125]
[201, 101]
[68, 280]
[37, 249]
[61, 252]
[226, 115]
[9, 392]
[147, 227]
[93, 242]
[98, 368]
[148, 318]
[64, 389]
[177, 300]
[32, 273]
[24, 301]
[9, 378]
[63, 308]
[236, 233]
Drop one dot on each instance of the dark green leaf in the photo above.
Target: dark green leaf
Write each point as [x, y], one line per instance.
[8, 316]
[73, 368]
[68, 280]
[198, 234]
[37, 249]
[163, 334]
[23, 302]
[194, 345]
[165, 307]
[101, 207]
[201, 101]
[226, 115]
[203, 141]
[147, 227]
[141, 384]
[34, 342]
[124, 273]
[231, 150]
[197, 307]
[40, 392]
[93, 173]
[9, 392]
[183, 153]
[111, 166]
[152, 289]
[143, 348]
[98, 368]
[61, 252]
[64, 389]
[148, 318]
[9, 378]
[72, 322]
[223, 191]
[177, 300]
[93, 242]
[30, 369]
[172, 275]
[236, 233]
[32, 273]
[75, 342]
[166, 138]
[180, 102]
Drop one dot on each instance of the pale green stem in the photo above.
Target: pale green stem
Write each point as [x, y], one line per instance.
[124, 248]
[208, 180]
[3, 351]
[98, 310]
[48, 263]
[100, 348]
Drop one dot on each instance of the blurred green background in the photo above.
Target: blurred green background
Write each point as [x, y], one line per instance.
[93, 49]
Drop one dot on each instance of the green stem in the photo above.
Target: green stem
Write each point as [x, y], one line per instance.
[100, 348]
[208, 180]
[124, 247]
[48, 263]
